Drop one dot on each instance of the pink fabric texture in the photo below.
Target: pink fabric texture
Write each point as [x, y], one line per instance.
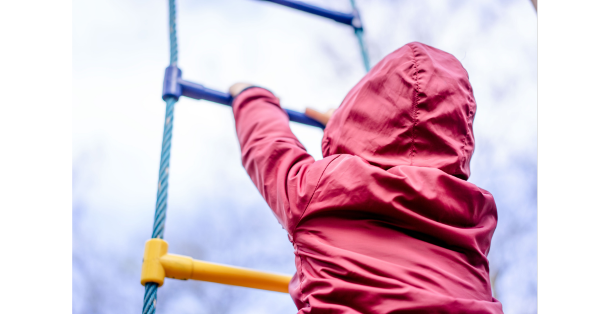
[386, 222]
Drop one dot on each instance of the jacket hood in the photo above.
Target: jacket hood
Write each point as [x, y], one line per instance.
[414, 108]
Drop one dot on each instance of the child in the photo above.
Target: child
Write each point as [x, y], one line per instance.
[386, 222]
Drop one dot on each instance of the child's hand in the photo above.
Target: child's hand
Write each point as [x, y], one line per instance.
[236, 88]
[322, 117]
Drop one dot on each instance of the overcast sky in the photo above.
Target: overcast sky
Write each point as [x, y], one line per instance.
[120, 50]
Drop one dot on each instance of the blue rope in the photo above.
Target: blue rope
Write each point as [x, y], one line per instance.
[173, 31]
[363, 48]
[359, 35]
[163, 180]
[160, 213]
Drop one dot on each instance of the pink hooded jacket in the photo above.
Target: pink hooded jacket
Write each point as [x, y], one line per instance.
[386, 222]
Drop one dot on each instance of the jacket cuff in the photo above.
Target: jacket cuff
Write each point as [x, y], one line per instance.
[240, 97]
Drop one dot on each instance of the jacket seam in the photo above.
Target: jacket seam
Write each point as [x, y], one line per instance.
[302, 295]
[312, 195]
[413, 149]
[302, 279]
[468, 136]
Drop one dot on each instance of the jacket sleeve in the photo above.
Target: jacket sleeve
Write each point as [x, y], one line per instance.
[284, 173]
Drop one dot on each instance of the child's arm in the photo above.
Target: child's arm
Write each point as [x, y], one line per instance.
[284, 173]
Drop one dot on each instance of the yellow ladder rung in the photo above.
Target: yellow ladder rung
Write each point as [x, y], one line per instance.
[158, 264]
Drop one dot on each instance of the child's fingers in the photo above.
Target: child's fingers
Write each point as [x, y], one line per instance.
[236, 88]
[319, 116]
[311, 113]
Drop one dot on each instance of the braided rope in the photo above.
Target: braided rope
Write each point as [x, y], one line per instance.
[173, 31]
[363, 48]
[160, 213]
[163, 180]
